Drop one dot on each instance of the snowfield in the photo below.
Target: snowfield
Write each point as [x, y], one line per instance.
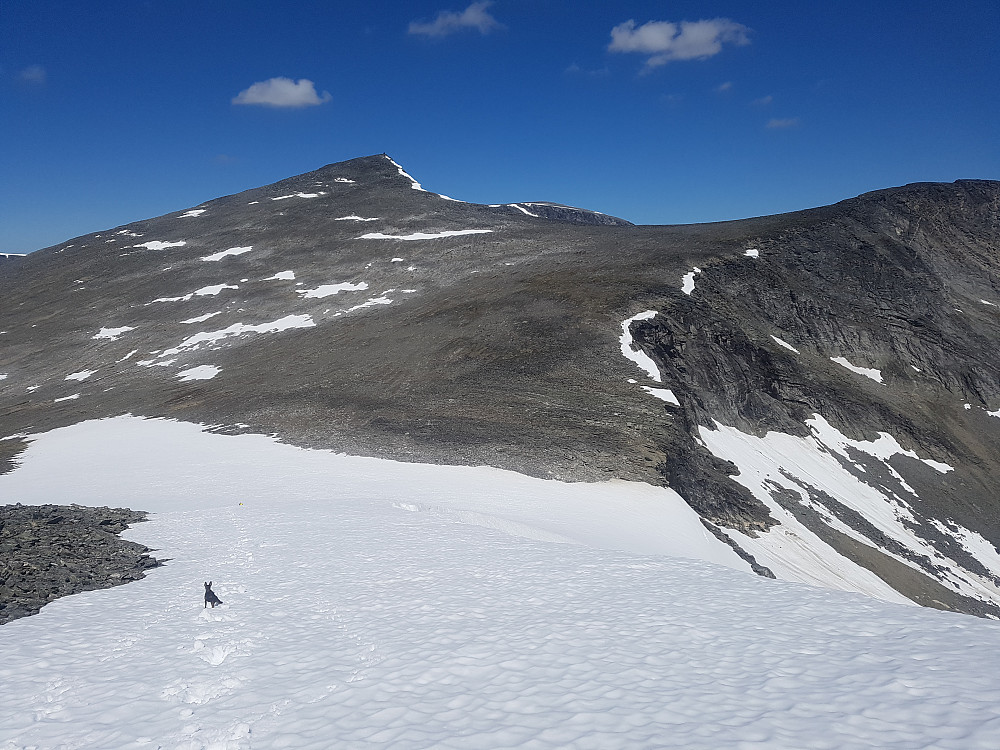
[377, 604]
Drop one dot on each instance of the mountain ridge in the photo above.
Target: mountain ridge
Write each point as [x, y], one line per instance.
[348, 308]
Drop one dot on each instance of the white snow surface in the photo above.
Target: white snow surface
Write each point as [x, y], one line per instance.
[298, 195]
[225, 253]
[328, 290]
[201, 372]
[868, 372]
[821, 462]
[111, 334]
[375, 604]
[193, 212]
[356, 218]
[422, 235]
[687, 283]
[158, 245]
[203, 292]
[81, 375]
[202, 318]
[282, 276]
[785, 344]
[286, 323]
[664, 394]
[752, 252]
[630, 351]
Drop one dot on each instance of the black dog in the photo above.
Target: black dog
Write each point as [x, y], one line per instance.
[210, 597]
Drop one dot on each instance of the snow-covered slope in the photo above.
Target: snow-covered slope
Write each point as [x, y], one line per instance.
[371, 604]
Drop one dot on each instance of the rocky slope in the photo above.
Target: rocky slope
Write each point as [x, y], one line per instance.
[348, 308]
[50, 551]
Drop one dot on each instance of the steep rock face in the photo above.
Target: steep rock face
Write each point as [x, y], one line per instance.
[348, 308]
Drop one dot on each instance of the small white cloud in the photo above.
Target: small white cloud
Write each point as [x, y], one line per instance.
[763, 101]
[450, 22]
[666, 41]
[282, 92]
[33, 74]
[778, 123]
[724, 87]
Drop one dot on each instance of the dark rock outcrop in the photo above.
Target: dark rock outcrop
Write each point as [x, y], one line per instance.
[49, 551]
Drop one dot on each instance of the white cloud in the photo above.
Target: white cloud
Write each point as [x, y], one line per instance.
[450, 22]
[282, 92]
[763, 101]
[777, 123]
[34, 74]
[724, 87]
[666, 41]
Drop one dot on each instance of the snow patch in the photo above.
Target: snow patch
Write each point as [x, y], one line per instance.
[868, 372]
[226, 253]
[422, 235]
[298, 195]
[687, 283]
[82, 375]
[664, 394]
[66, 398]
[282, 276]
[785, 344]
[328, 290]
[238, 329]
[752, 252]
[356, 218]
[632, 352]
[158, 245]
[201, 372]
[192, 212]
[202, 318]
[820, 462]
[112, 334]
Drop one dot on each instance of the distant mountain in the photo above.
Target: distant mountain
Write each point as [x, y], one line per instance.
[823, 387]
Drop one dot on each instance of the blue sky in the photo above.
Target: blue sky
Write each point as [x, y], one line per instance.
[659, 112]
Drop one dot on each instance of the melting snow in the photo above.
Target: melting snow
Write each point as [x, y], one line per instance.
[238, 329]
[157, 245]
[111, 333]
[230, 251]
[687, 285]
[201, 372]
[785, 344]
[343, 179]
[422, 235]
[298, 195]
[193, 212]
[630, 351]
[82, 375]
[372, 302]
[202, 318]
[523, 210]
[356, 218]
[413, 183]
[987, 302]
[868, 372]
[752, 253]
[282, 276]
[664, 394]
[3, 376]
[66, 398]
[204, 291]
[427, 624]
[328, 290]
[819, 462]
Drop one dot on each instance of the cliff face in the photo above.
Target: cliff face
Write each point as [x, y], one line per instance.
[348, 308]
